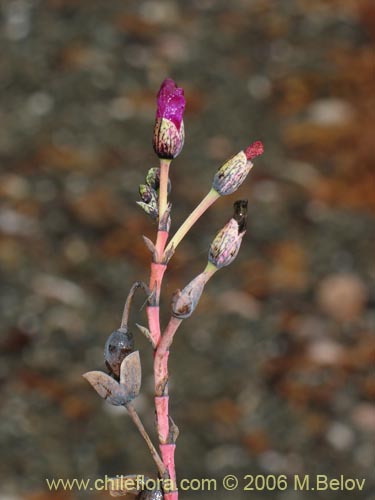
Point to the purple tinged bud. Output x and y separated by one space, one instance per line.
147 193
171 102
149 201
168 141
231 175
227 242
153 179
185 301
151 209
169 132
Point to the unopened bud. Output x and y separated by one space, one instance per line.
150 209
153 179
119 345
169 126
185 301
231 175
149 201
147 193
227 242
168 139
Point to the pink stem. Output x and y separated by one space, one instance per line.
167 454
153 311
167 448
161 241
162 418
171 495
162 343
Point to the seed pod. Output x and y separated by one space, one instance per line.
185 301
150 495
119 345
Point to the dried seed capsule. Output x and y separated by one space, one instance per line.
150 495
119 345
185 301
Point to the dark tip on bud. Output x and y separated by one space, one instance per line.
254 150
227 242
240 214
119 345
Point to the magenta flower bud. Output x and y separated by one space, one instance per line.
169 132
185 301
231 175
227 242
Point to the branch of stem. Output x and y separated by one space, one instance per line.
199 210
155 455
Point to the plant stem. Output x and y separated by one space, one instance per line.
158 269
165 343
163 186
207 201
125 314
155 455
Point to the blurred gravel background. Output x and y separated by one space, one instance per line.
273 374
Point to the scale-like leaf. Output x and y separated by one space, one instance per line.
107 388
146 332
131 375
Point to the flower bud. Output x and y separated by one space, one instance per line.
185 301
153 179
150 209
149 201
147 193
227 242
119 345
169 126
231 175
168 140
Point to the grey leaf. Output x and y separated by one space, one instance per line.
131 375
149 244
107 388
